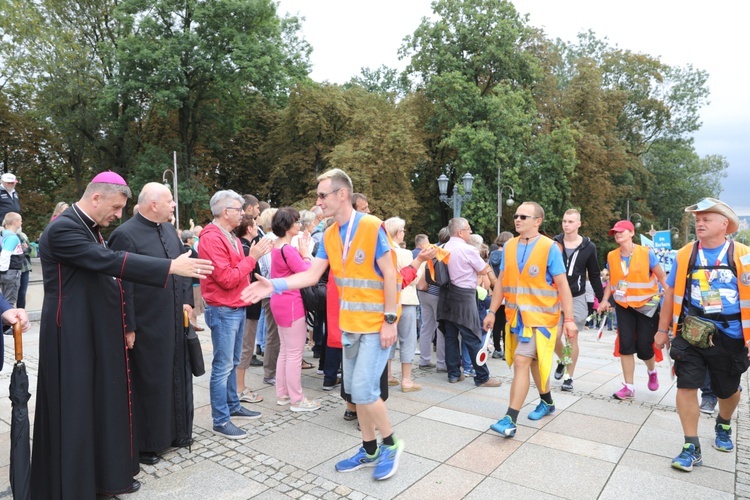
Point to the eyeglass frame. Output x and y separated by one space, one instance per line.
323 196
524 217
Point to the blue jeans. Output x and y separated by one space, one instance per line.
466 361
260 333
453 352
227 326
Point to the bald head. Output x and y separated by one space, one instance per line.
155 202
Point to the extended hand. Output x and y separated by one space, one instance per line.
427 253
191 268
257 290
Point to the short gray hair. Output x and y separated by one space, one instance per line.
186 235
106 189
222 200
307 217
456 224
394 225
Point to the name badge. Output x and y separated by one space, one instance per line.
621 291
711 301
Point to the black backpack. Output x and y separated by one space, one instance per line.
441 276
313 297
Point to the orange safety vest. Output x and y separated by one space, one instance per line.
360 287
527 291
742 262
642 284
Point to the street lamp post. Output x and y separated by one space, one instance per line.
640 219
510 202
174 190
457 200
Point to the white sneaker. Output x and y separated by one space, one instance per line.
305 405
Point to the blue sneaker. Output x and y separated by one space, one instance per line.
245 414
388 461
229 431
688 458
723 438
361 459
505 426
542 410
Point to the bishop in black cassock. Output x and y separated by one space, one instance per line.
83 425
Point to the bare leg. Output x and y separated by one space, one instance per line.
240 373
373 416
687 408
628 367
727 406
519 388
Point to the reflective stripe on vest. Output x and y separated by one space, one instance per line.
743 272
642 284
360 287
527 291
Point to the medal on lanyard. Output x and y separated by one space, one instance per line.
710 298
622 286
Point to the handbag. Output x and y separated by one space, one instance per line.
698 332
193 343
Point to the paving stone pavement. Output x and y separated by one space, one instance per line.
591 447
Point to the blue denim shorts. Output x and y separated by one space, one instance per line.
364 360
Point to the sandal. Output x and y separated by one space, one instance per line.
306 365
411 388
393 382
248 396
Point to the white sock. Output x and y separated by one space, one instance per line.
630 387
650 372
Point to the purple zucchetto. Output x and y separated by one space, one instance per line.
109 177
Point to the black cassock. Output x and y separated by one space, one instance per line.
83 426
158 362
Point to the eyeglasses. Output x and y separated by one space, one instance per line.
234 208
323 196
524 217
299 222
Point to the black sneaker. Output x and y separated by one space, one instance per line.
559 371
567 385
350 415
327 386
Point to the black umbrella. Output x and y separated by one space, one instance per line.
20 449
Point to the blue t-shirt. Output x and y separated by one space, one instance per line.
725 282
11 241
381 248
555 264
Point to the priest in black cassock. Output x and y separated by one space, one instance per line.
162 391
83 426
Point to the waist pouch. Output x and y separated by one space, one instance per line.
698 332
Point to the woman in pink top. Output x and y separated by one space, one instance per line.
288 310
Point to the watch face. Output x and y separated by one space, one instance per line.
390 318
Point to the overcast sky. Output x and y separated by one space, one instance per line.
347 35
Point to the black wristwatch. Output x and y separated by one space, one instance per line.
390 318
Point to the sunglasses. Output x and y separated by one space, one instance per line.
524 217
323 196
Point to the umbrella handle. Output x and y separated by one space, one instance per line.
185 318
18 340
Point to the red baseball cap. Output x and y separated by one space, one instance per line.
621 226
